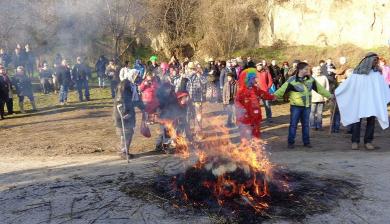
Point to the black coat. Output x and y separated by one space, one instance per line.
63 74
23 85
101 65
80 72
4 89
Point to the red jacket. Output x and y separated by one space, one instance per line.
265 80
248 105
149 95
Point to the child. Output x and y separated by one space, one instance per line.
229 94
125 102
298 88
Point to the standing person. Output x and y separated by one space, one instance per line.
248 110
284 72
148 89
45 76
292 70
23 88
100 67
196 87
18 58
298 88
181 82
64 81
364 95
167 102
154 67
112 73
329 69
174 63
317 100
80 75
228 97
29 61
4 58
4 91
265 84
385 70
275 71
128 73
140 68
224 71
125 102
212 92
56 64
236 67
8 101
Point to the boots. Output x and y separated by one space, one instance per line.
33 105
21 106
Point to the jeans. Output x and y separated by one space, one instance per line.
301 114
64 93
316 115
80 84
231 112
267 106
21 98
368 136
114 87
336 121
101 79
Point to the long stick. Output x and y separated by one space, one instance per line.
124 133
332 117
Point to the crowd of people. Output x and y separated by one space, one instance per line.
177 91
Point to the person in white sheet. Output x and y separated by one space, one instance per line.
364 95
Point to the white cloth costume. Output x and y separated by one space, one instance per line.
362 96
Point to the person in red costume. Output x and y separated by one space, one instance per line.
148 88
247 103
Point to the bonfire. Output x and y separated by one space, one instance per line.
224 173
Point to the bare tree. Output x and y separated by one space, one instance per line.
176 20
124 18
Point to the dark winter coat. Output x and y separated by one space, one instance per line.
79 72
4 88
63 74
127 108
101 65
23 84
45 74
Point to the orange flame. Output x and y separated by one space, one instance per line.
249 156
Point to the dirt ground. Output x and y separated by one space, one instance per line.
59 165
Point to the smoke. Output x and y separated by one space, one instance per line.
68 27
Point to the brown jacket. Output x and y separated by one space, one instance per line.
227 92
340 73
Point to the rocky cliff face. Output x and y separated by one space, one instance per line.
325 22
364 23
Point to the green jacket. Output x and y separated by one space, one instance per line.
299 90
